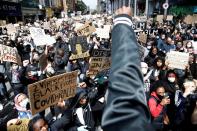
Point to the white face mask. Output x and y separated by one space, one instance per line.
171 79
25 63
15 67
144 71
36 57
24 103
189 45
149 47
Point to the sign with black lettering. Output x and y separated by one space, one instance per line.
98 64
9 54
48 92
86 29
101 53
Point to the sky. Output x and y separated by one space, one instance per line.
91 3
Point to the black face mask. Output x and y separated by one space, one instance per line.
160 97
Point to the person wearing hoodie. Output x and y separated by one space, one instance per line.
150 58
171 85
77 115
157 105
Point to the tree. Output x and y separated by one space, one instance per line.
180 11
81 6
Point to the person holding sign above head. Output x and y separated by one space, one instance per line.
126 108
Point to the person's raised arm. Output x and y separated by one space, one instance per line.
126 108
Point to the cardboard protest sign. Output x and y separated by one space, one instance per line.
48 92
100 60
177 60
188 19
98 64
169 17
143 38
101 53
159 18
79 47
194 18
2 22
102 33
9 54
86 29
10 29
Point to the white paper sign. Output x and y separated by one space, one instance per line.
178 60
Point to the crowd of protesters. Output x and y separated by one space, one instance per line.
171 94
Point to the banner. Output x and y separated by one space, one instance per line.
86 30
177 59
9 54
48 92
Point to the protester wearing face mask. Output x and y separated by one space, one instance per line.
157 104
171 85
22 105
144 68
15 77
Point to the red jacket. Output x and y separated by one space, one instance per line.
155 108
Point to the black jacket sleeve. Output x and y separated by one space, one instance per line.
126 108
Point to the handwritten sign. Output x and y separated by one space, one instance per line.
8 54
40 38
101 53
160 18
169 17
100 60
48 92
177 60
188 19
98 64
86 29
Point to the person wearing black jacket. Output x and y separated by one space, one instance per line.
126 107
